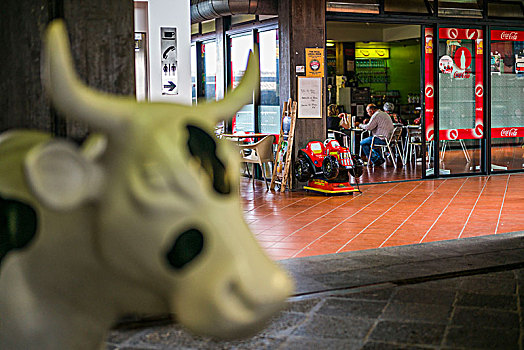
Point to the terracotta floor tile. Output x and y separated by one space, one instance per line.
304 224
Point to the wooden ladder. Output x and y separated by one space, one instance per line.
282 156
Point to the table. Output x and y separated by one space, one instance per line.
353 139
239 136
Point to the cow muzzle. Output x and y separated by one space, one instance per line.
233 307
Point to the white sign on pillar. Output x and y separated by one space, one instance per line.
169 64
168 17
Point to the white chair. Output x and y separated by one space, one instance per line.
413 142
392 141
462 144
364 134
261 153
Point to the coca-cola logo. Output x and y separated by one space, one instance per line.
472 34
429 135
508 35
479 130
453 33
453 134
509 132
479 90
429 91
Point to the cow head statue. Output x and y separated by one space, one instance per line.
161 196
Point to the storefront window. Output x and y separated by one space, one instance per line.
210 59
269 109
461 91
193 74
353 6
507 99
462 8
413 6
240 45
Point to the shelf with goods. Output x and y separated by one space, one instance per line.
372 71
410 111
379 97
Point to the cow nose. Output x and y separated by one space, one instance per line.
188 245
266 296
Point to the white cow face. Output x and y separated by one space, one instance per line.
168 216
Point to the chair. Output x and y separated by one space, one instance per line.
392 141
413 141
261 153
335 134
462 144
363 135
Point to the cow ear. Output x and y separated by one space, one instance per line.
61 177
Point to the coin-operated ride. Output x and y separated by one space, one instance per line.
326 167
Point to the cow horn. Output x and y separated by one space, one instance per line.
69 95
238 97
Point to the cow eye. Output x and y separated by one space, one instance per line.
18 223
203 147
186 248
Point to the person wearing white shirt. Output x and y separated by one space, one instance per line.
381 126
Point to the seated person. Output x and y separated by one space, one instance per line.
395 118
335 122
379 125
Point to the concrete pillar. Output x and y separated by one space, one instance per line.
101 35
302 24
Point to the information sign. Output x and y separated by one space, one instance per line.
309 97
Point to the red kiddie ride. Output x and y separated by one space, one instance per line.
327 166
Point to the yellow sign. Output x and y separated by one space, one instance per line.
371 53
315 63
480 46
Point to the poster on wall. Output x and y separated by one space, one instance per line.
315 62
169 64
309 97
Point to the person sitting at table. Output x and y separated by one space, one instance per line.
395 118
381 126
333 120
338 122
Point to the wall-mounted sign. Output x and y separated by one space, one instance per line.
462 58
460 33
507 35
445 64
429 44
169 51
371 53
315 62
309 97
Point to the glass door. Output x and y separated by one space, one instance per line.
460 100
429 101
507 99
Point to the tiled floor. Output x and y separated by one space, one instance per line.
298 224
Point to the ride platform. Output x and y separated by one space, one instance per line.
326 187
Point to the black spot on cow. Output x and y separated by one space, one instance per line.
203 147
17 225
187 247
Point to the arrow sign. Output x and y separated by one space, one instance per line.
171 86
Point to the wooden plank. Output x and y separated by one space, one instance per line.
279 148
285 176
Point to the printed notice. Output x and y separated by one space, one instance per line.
309 97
